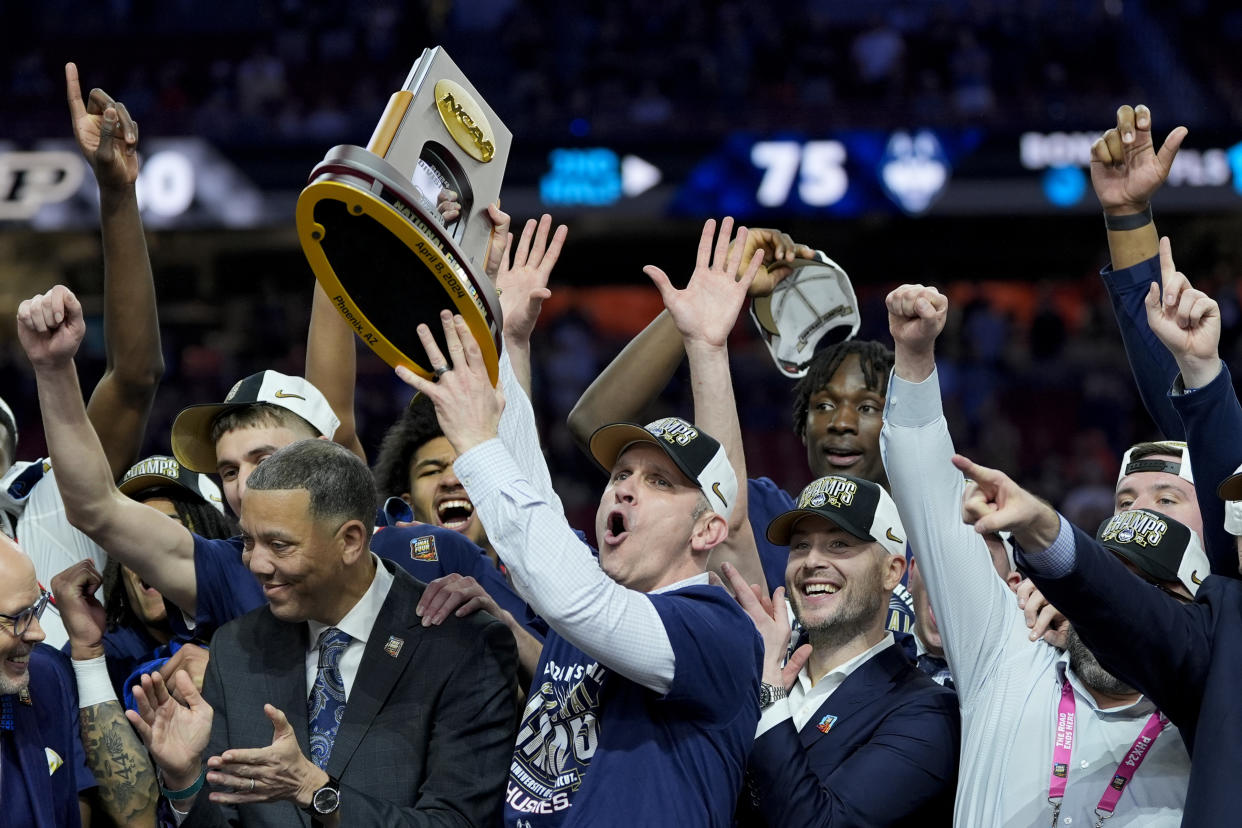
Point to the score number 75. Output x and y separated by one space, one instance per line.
817 166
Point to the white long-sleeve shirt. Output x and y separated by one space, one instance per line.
508 482
1008 686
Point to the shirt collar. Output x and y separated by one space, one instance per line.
1142 707
701 578
358 622
844 671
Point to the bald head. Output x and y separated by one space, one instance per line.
18 590
16 569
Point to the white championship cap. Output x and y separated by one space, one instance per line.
813 300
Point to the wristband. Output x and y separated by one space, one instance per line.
184 793
1131 221
94 684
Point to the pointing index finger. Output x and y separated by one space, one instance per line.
1167 268
73 91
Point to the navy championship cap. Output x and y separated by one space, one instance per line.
858 506
191 431
699 456
1230 490
1158 545
159 470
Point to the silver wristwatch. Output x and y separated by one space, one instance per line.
769 694
326 800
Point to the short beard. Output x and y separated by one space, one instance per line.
853 619
10 686
1088 668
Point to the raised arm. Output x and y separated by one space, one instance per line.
550 567
644 367
121 402
1187 322
160 550
1126 171
975 611
704 314
1144 637
522 282
332 366
114 753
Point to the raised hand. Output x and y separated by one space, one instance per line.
279 771
779 249
84 617
1033 522
175 734
772 621
1126 169
916 316
522 278
706 310
466 404
106 133
190 659
1186 320
50 327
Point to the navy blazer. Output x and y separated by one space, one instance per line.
427 734
44 719
889 758
1187 658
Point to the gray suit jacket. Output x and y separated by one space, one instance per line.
427 735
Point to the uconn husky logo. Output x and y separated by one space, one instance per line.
674 430
837 491
1142 528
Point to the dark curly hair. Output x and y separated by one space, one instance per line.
416 425
875 359
199 517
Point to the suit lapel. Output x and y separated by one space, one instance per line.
866 685
393 640
285 645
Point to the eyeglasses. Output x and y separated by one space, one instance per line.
21 622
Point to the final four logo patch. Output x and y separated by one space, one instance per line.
826 723
424 549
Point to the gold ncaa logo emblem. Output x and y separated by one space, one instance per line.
464 120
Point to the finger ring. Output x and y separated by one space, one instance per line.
442 370
252 785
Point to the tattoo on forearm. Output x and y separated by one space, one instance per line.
126 777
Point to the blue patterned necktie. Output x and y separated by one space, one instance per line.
326 705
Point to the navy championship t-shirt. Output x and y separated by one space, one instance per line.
228 590
595 748
766 500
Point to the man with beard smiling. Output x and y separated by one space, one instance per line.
860 721
1045 733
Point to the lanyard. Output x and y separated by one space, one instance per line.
1064 746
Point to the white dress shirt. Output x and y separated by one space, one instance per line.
805 697
1008 686
357 623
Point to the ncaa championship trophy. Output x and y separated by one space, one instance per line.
370 229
